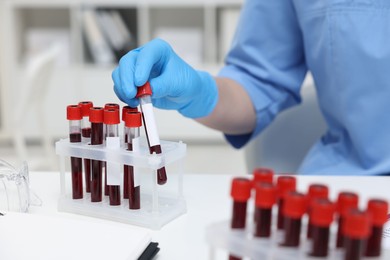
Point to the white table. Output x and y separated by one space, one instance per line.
208 201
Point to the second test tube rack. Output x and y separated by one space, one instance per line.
158 208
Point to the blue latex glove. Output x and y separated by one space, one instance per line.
175 84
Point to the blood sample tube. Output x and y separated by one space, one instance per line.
73 114
133 123
111 120
261 175
284 185
316 191
96 116
321 217
126 109
107 106
265 199
240 192
378 212
144 94
86 135
357 230
294 208
345 202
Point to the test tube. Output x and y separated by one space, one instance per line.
73 114
240 192
86 135
356 230
378 211
111 121
107 106
316 191
321 217
261 175
345 202
284 185
144 94
96 116
294 208
132 132
126 109
265 199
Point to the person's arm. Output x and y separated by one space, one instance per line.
234 113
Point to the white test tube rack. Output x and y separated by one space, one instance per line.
242 243
156 209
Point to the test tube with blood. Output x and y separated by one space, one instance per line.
321 217
132 132
73 114
86 135
356 230
107 106
345 202
144 94
265 199
284 185
240 192
126 109
294 208
262 175
111 121
378 212
316 191
96 115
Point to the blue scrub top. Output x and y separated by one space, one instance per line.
346 46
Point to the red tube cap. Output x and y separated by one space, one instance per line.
128 109
145 90
294 205
322 212
111 116
96 115
265 195
133 119
357 224
263 175
241 189
346 201
378 210
85 106
73 112
111 106
285 184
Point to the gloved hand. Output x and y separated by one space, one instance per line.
175 84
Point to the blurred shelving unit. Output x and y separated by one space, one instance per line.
205 26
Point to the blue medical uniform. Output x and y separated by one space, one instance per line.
345 44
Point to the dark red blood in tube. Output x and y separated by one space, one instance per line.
86 132
74 115
345 202
132 120
284 185
115 195
240 192
316 191
161 173
96 119
321 217
294 208
77 170
264 201
261 175
133 192
356 230
378 211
